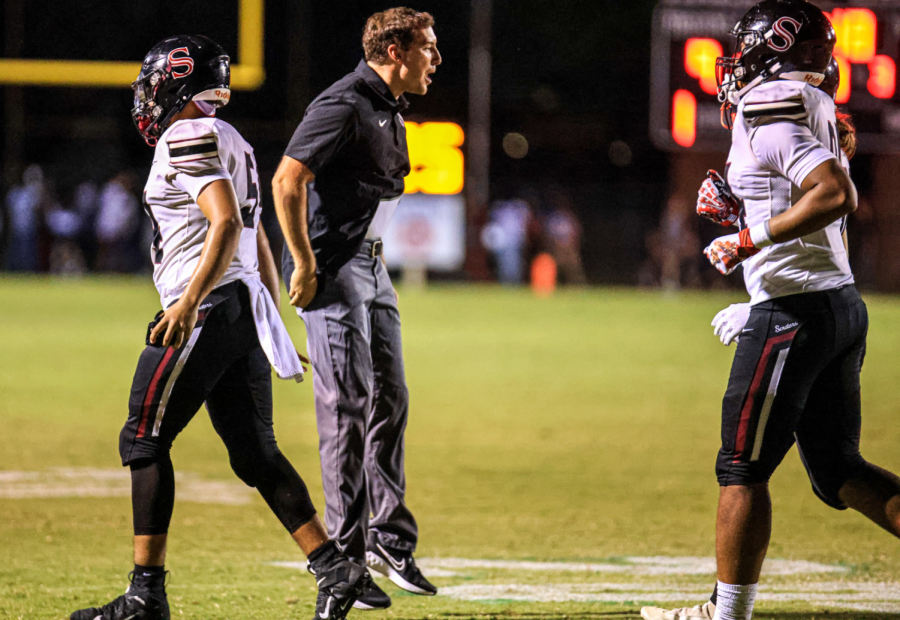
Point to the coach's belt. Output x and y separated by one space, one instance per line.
372 248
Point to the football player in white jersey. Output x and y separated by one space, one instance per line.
218 332
795 376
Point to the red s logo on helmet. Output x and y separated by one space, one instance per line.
185 62
779 29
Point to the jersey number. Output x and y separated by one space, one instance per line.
156 246
252 193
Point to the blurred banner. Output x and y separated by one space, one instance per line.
427 231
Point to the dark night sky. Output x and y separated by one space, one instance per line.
570 75
558 66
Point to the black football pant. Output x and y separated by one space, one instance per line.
223 365
795 378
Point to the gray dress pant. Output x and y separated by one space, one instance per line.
353 340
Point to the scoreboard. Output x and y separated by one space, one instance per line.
688 36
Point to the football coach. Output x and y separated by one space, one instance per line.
337 186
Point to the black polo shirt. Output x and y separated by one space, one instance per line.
353 139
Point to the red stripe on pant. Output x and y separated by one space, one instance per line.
747 412
151 391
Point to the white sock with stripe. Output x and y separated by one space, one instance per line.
734 602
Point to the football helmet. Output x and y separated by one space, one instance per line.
776 39
176 71
832 80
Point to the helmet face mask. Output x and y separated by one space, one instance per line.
176 71
146 111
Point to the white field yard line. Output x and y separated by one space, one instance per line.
651 566
437 572
839 595
654 565
62 482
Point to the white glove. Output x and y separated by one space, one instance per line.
730 322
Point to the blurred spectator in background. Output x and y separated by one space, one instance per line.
64 224
505 236
116 227
562 237
674 249
86 201
24 204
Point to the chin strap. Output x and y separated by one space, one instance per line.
206 107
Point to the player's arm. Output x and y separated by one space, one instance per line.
219 204
268 272
829 196
291 203
328 127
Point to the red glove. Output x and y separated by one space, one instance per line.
726 253
716 202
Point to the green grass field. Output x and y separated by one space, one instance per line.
556 447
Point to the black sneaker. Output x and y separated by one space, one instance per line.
399 567
340 582
135 604
372 597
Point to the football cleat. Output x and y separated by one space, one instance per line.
373 597
135 604
399 567
339 586
706 611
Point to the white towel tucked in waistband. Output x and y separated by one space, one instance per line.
273 336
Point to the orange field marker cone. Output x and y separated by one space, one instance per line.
543 275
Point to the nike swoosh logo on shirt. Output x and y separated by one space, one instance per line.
398 566
381 123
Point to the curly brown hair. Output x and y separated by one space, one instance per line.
846 134
395 26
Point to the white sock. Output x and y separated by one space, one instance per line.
734 602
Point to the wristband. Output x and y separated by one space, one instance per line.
760 235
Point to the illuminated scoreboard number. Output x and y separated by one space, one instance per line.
437 165
688 36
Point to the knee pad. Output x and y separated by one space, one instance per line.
730 473
828 474
255 468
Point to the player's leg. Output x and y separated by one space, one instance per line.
393 532
168 388
338 347
240 407
780 354
829 432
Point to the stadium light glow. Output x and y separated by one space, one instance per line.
700 62
437 164
845 85
684 118
882 77
857 34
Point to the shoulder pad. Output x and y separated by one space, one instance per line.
775 102
191 141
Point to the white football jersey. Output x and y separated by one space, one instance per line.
190 155
783 131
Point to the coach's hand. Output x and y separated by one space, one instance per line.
716 202
730 322
176 324
303 287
